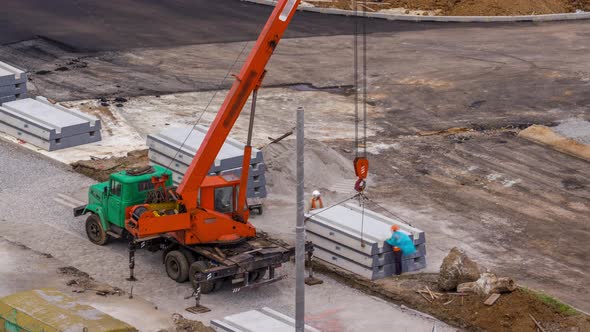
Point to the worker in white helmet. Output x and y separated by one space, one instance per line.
316 201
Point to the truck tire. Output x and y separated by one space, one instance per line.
177 266
257 275
94 231
190 257
207 286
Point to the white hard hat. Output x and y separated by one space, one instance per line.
316 193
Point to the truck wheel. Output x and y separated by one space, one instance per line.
190 257
177 266
257 275
207 286
94 231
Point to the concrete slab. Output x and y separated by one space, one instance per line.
48 126
52 144
255 170
254 191
7 99
343 224
170 150
359 257
182 166
263 320
46 120
182 143
343 237
11 75
373 273
19 90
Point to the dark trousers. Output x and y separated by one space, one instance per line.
397 261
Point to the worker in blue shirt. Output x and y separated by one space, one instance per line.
402 245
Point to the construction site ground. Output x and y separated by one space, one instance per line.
46 225
519 208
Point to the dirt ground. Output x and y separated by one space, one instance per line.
468 7
509 313
507 200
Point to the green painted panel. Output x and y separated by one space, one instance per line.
48 310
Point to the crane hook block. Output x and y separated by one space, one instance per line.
361 167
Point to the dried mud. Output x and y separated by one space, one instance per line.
101 169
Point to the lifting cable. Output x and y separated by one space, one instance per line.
388 211
208 104
332 206
360 144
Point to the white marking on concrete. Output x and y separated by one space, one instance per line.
64 202
61 230
71 199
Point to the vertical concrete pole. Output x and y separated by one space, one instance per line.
300 230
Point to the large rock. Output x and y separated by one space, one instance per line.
488 283
456 269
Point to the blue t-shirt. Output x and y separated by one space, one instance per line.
402 241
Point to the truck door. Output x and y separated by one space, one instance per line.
114 206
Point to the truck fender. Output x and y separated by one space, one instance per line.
96 209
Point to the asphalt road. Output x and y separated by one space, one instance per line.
86 25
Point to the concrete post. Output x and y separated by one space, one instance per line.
300 230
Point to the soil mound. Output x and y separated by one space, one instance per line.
324 166
186 325
474 7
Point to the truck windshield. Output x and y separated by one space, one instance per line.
224 199
116 188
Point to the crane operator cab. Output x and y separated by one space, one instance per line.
219 193
217 215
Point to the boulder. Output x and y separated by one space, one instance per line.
456 269
488 283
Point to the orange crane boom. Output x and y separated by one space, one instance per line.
208 209
248 80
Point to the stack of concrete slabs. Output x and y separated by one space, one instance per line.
175 148
13 83
263 320
343 237
48 126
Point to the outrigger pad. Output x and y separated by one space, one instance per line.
198 309
312 281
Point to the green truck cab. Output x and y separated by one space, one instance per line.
108 200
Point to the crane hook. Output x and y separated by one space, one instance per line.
361 169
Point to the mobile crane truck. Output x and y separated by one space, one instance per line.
201 226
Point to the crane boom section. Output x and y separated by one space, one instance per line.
249 78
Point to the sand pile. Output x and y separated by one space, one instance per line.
324 167
547 136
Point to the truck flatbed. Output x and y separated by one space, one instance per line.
244 264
